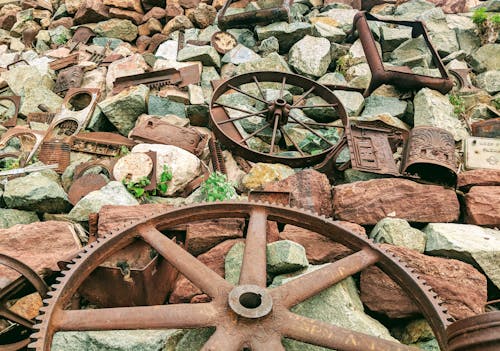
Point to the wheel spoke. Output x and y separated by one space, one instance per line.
254 133
318 124
286 135
247 94
223 341
314 106
282 91
273 343
302 97
242 117
259 87
328 335
15 318
275 130
253 269
144 317
199 274
313 283
311 130
234 108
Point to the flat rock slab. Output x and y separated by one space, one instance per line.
478 177
202 236
470 243
369 202
39 245
482 205
462 288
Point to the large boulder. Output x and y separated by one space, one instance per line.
398 232
310 56
482 205
370 201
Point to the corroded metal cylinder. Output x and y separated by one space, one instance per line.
55 151
430 154
477 333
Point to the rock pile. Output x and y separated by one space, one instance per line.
448 235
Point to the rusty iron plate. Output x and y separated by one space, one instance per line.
223 42
489 128
155 131
100 143
68 78
400 77
82 35
246 314
30 141
55 152
64 62
41 117
482 153
477 333
5 101
430 154
250 19
85 184
156 79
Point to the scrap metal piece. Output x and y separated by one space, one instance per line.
30 141
218 162
100 143
156 79
16 336
68 78
430 154
64 62
76 111
55 152
476 333
462 81
223 42
263 314
482 153
489 128
156 131
12 118
135 166
276 116
41 117
81 35
84 185
249 19
28 169
17 62
401 77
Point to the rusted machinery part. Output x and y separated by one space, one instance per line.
249 19
24 133
13 288
16 101
276 114
245 315
477 333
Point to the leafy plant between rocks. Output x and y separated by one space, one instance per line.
136 188
217 188
488 25
458 104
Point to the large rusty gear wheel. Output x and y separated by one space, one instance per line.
276 116
9 292
249 314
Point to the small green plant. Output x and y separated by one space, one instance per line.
479 16
458 104
123 151
10 163
165 178
217 188
136 188
343 63
488 25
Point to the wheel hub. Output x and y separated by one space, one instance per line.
250 301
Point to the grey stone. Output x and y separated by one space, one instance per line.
333 78
11 217
344 17
22 77
412 53
123 109
272 62
319 114
34 96
193 340
398 232
207 75
489 81
393 37
117 28
116 340
465 30
113 193
376 105
434 19
445 42
328 31
413 8
286 33
353 175
310 56
434 109
486 58
36 192
269 45
60 35
206 54
160 106
470 243
103 41
339 305
285 256
352 101
232 265
240 54
243 36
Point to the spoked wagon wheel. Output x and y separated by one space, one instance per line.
277 117
248 315
16 337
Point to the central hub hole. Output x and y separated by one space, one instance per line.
250 300
280 102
